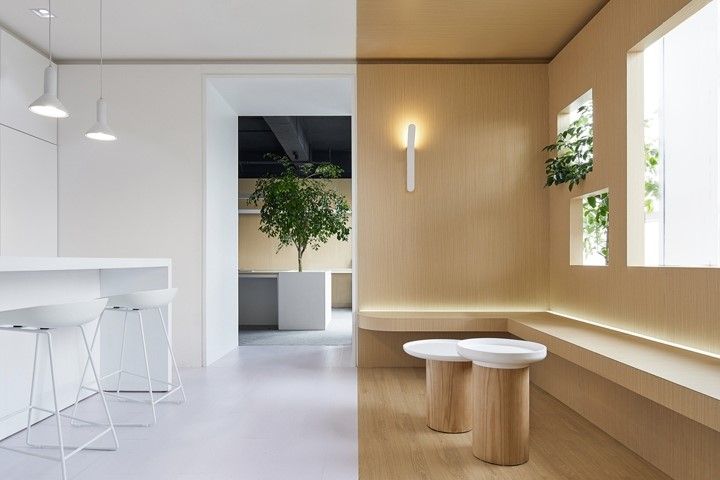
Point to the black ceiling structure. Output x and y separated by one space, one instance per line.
316 139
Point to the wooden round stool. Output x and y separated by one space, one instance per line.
501 383
447 384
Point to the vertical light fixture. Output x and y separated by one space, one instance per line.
411 158
101 130
48 104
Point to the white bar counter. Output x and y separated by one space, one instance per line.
30 281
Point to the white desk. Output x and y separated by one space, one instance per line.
28 281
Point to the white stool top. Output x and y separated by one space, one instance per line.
501 352
54 316
438 349
142 300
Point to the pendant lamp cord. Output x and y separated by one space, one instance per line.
101 48
50 29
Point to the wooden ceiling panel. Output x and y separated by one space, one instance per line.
469 29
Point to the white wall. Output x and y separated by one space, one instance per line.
142 196
28 155
221 226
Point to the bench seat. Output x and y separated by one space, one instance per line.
684 381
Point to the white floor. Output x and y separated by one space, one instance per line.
272 412
338 332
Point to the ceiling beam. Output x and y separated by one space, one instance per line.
289 133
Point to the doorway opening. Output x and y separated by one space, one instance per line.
304 143
254 123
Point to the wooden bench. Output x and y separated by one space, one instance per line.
684 381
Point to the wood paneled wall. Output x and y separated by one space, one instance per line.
675 304
474 231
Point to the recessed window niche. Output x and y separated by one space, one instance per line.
589 229
673 206
582 107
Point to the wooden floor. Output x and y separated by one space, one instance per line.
395 444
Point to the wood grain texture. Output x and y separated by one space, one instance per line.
468 29
683 381
434 321
473 234
448 396
395 443
501 415
682 448
676 304
341 290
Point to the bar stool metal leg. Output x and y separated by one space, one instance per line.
122 355
87 362
147 366
109 427
138 302
57 408
100 390
172 355
44 320
153 398
32 392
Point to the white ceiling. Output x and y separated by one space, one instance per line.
283 96
191 29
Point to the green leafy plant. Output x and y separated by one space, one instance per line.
573 150
300 208
596 224
652 183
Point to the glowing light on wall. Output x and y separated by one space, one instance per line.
411 157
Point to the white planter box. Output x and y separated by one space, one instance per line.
304 300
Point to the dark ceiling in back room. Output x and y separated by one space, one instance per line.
315 139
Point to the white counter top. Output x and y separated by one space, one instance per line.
39 264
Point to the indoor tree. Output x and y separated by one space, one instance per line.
299 206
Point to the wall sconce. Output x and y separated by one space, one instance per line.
411 158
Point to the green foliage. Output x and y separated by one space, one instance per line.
573 150
572 162
652 184
300 208
596 224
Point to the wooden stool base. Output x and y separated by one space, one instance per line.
501 415
448 396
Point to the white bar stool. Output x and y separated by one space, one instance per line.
42 321
138 302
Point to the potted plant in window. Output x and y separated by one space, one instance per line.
300 208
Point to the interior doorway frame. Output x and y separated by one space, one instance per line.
345 72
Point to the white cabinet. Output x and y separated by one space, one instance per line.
21 82
28 195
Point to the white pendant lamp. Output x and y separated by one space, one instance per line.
101 130
48 104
